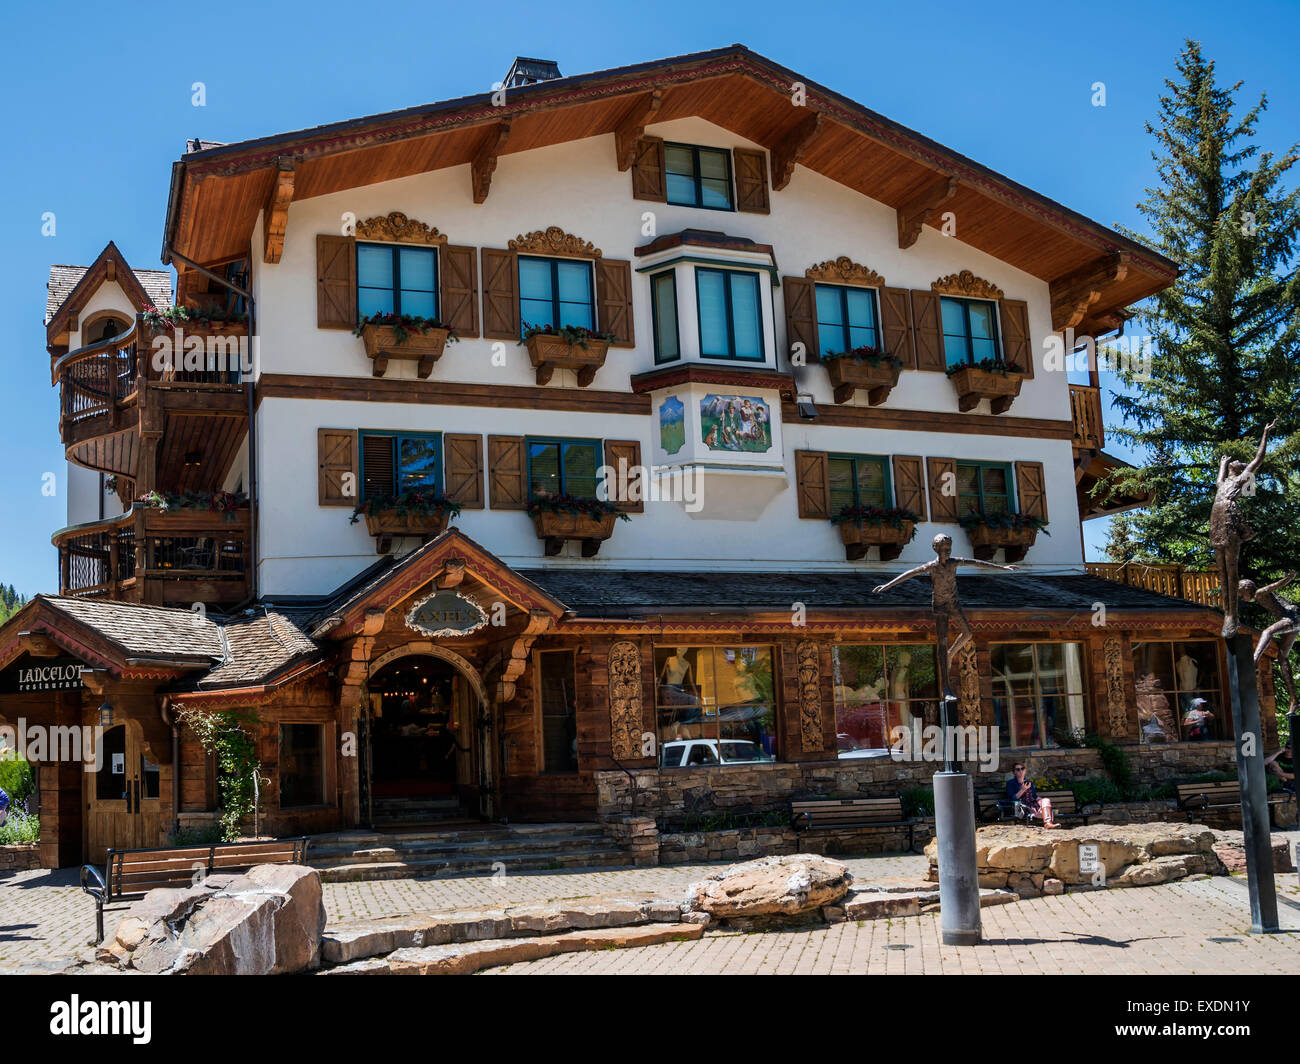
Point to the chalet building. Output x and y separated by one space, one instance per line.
817 339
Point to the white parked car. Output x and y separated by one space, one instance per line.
683 752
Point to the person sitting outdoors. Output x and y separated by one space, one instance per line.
1281 766
1022 790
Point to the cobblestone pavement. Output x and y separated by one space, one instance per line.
1149 929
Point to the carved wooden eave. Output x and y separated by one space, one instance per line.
1110 321
276 223
515 660
554 241
453 572
968 285
396 228
922 207
844 270
632 127
790 149
485 160
1074 295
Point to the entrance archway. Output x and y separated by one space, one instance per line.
422 721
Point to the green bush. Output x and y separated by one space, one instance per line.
204 836
918 801
1115 762
16 778
20 828
1096 789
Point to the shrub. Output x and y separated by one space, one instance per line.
16 779
20 828
1097 789
918 801
203 836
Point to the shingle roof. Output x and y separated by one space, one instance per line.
612 592
63 279
259 645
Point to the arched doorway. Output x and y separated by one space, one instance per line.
422 720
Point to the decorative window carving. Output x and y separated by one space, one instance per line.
396 227
844 270
554 241
966 284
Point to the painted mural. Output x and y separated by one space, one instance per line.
735 423
672 425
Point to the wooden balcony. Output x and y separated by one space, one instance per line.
1085 412
158 558
1191 584
122 398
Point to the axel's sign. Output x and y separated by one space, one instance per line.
446 613
61 674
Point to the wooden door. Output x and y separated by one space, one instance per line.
123 795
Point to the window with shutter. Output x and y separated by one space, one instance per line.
562 467
1017 351
463 469
800 316
909 484
397 279
858 480
336 282
648 178
459 280
337 467
984 487
1032 488
507 488
942 474
751 180
927 333
624 460
556 292
614 300
970 332
698 177
500 295
812 484
846 318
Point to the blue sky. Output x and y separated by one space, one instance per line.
97 105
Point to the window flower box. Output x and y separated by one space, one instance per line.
412 514
1012 533
559 518
989 380
868 526
864 368
569 348
418 340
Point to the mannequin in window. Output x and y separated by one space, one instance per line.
676 680
1188 673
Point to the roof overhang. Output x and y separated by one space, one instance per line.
109 266
1098 469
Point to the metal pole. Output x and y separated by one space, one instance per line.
954 832
1243 689
1292 721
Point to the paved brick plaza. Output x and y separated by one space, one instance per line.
1167 928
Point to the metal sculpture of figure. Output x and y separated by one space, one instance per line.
1228 528
947 606
1287 624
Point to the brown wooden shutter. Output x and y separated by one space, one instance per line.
1017 351
378 475
909 484
458 281
812 484
507 473
896 325
336 282
629 452
336 457
943 507
751 180
649 181
614 300
801 315
462 469
500 295
1031 489
927 331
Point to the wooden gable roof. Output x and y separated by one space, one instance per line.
71 287
218 192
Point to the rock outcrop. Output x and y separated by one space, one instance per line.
771 891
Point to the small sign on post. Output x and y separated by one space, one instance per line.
1089 857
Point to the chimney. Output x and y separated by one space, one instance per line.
530 71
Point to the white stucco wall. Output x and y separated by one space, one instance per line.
307 549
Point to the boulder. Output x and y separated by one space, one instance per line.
770 887
267 922
1231 852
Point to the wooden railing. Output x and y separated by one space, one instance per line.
148 555
1192 584
1085 412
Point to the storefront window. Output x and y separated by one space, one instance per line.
302 765
1179 696
714 705
1039 692
878 689
559 719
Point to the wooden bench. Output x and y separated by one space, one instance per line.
993 806
831 814
130 874
1198 797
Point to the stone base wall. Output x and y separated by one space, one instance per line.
20 857
673 795
736 845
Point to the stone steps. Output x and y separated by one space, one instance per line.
469 866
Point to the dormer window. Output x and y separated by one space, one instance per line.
846 318
393 279
731 318
556 292
698 177
970 331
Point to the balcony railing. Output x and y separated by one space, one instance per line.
1085 412
148 555
1191 584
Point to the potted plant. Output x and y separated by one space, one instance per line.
989 378
561 517
410 513
871 526
404 336
193 318
1013 533
226 503
569 347
863 367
